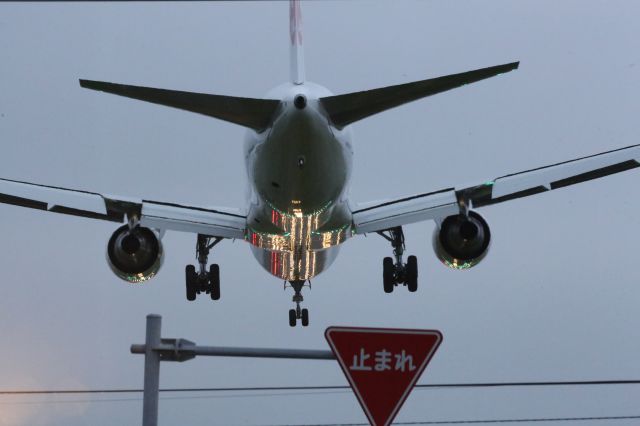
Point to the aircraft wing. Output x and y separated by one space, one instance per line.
153 214
440 204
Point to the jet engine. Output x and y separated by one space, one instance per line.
462 241
134 255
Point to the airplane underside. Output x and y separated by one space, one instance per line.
297 247
297 268
297 265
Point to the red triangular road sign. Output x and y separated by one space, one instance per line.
382 365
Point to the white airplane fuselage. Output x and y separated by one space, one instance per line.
298 172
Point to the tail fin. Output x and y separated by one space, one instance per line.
296 50
351 107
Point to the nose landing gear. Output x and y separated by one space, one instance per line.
395 273
298 313
203 281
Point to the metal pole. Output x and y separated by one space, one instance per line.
263 352
151 371
157 349
170 349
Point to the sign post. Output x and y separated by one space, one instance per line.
382 365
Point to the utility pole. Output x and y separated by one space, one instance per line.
157 349
151 371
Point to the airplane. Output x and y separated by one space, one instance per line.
298 156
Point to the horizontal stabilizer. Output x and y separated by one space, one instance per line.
351 107
253 113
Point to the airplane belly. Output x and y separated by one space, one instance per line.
295 265
294 247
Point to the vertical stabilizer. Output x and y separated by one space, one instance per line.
295 34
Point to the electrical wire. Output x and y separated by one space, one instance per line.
164 398
272 394
489 421
338 387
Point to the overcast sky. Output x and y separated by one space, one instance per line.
556 298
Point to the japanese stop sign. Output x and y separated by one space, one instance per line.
382 365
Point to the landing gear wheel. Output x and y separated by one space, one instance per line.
298 313
203 281
411 273
214 281
388 278
191 281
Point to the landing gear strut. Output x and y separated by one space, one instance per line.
297 313
203 281
394 273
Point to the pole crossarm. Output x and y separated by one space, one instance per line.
183 350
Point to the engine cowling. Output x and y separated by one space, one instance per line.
134 255
462 242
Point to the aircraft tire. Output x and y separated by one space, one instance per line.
214 281
412 273
190 278
388 279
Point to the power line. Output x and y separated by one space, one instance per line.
138 399
424 422
459 422
339 387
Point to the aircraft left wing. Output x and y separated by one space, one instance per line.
152 214
440 204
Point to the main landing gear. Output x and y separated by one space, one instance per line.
398 272
297 313
203 281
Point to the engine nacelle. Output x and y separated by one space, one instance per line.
462 241
135 255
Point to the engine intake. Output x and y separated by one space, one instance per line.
134 255
462 241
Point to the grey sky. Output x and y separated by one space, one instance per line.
555 299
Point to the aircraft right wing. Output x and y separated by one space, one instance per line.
440 204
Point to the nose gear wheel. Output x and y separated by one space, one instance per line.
298 313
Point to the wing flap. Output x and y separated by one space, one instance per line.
153 214
570 172
547 178
440 204
192 219
54 199
406 210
